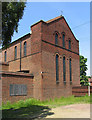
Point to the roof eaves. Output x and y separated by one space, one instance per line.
70 29
16 40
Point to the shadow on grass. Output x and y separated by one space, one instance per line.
33 111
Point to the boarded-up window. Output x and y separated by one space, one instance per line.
11 90
18 89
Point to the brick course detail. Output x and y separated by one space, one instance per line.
81 90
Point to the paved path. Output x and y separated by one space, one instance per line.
71 111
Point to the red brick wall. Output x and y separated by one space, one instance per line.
32 61
36 59
11 50
60 26
0 91
4 67
41 58
36 38
81 90
49 87
10 78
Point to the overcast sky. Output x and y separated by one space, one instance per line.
77 14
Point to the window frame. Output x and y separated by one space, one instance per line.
5 56
56 38
18 90
25 48
57 68
64 69
69 44
70 70
15 52
63 40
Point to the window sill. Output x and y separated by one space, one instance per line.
18 95
64 82
57 82
70 82
25 55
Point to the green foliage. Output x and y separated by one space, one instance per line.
32 107
83 69
89 76
51 102
12 12
83 66
84 80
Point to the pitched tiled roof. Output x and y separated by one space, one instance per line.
54 19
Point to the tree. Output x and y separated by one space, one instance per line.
83 69
12 12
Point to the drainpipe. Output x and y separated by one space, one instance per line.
20 55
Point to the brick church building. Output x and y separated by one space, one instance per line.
43 64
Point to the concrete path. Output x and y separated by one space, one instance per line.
71 111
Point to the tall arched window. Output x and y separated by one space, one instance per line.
70 70
63 38
64 70
15 52
69 44
56 39
5 56
25 48
57 68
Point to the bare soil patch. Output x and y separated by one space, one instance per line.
71 111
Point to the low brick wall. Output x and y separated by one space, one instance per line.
19 80
80 90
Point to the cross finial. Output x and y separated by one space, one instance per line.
61 12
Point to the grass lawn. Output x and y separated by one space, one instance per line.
32 107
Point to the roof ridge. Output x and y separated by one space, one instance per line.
54 19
